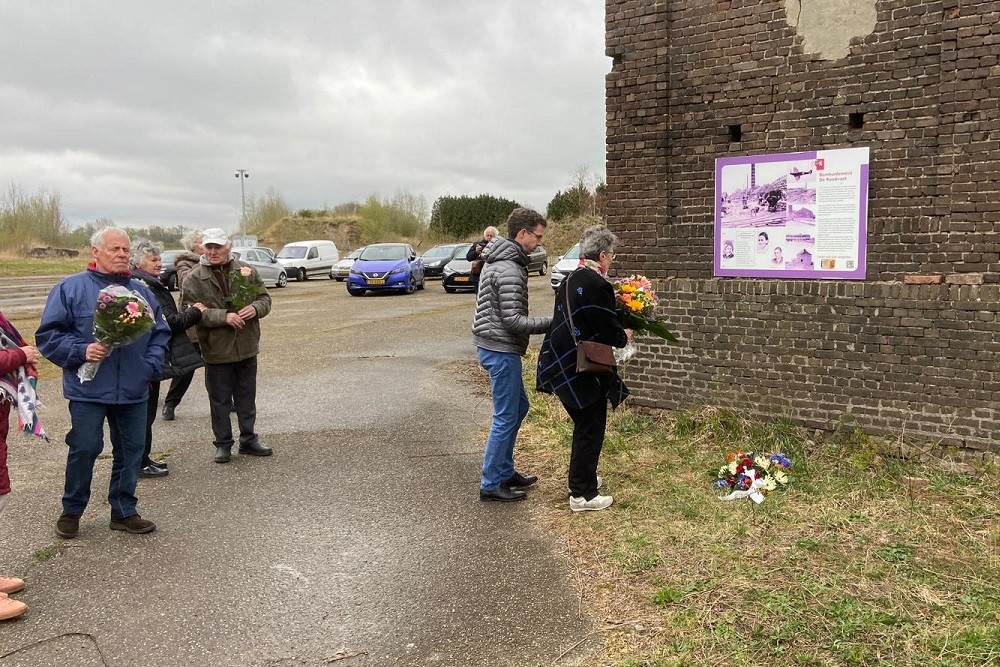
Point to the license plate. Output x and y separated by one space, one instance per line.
461 279
379 281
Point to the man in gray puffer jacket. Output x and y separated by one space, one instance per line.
501 331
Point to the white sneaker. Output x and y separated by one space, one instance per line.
579 504
599 483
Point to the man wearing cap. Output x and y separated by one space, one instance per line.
229 339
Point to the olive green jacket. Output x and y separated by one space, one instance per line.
221 343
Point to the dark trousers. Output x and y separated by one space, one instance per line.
233 383
154 398
86 441
589 423
179 385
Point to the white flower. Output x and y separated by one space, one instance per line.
732 467
781 476
761 462
770 484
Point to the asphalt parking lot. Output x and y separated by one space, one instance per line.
360 542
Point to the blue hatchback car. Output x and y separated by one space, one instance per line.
386 266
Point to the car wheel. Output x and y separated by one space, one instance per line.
545 267
302 275
340 280
355 292
282 280
450 290
411 285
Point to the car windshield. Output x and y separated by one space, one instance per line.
293 252
354 254
439 251
376 253
169 256
573 253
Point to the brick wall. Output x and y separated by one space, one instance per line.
892 356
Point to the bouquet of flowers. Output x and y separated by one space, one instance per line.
242 290
121 317
750 475
636 302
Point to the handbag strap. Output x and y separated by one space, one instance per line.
569 311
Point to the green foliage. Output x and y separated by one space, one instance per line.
170 237
264 211
458 217
574 202
27 220
383 220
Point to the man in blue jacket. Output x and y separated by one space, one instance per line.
117 393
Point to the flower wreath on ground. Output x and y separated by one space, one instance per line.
751 475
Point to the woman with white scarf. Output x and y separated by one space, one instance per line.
17 360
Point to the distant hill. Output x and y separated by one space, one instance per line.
350 231
343 230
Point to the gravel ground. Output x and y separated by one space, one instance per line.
360 542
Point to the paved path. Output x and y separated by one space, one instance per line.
363 535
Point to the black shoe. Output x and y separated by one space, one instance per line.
157 464
134 524
153 471
519 481
223 454
68 526
256 449
168 412
502 495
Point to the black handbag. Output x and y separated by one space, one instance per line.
591 357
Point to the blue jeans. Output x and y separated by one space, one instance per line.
510 407
86 440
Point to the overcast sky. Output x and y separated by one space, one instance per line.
141 112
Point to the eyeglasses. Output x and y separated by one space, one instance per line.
538 237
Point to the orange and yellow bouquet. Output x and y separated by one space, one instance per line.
636 302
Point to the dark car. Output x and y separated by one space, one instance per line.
168 274
386 266
437 257
538 260
458 272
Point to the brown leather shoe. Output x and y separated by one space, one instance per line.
10 584
134 524
68 526
11 608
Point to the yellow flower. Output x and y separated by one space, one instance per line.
627 288
635 305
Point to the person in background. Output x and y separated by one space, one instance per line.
118 393
182 358
475 254
230 342
590 298
184 263
17 358
501 331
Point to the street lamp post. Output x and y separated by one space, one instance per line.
243 175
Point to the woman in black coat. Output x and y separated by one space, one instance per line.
182 357
587 295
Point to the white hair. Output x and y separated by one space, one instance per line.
192 239
97 238
145 248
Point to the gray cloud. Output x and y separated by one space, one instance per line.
141 112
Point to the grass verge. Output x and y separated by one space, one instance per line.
17 266
863 560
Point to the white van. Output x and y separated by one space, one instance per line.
302 259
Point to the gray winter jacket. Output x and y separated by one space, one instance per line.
502 323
